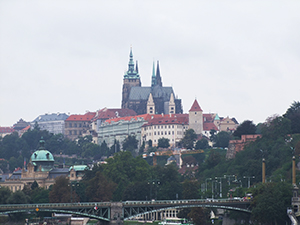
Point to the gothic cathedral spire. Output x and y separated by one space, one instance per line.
158 77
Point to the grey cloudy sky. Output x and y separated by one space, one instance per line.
238 58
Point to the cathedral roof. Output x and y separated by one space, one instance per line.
142 93
42 155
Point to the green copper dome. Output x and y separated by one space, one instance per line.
42 158
42 155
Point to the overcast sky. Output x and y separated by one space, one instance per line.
238 58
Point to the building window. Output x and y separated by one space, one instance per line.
75 132
70 132
70 124
157 132
154 133
169 132
80 125
75 124
173 132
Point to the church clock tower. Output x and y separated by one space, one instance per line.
131 79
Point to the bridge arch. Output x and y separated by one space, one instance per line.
189 206
57 211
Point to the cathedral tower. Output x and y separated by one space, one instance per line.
131 79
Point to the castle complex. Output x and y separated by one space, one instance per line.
155 99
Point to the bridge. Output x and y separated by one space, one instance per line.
116 212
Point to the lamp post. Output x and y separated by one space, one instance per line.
220 183
206 183
249 179
155 182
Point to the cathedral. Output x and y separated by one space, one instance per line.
156 99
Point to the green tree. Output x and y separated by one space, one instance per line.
130 144
137 191
40 195
5 193
190 189
18 197
189 138
200 216
100 188
293 114
247 127
222 139
163 143
202 144
270 203
61 191
124 169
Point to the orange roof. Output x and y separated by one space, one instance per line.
167 119
127 118
105 113
6 130
209 126
26 128
86 117
195 107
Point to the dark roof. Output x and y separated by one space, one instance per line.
142 93
51 117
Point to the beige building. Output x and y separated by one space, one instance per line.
168 126
40 169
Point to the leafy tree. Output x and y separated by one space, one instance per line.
293 114
104 149
276 127
189 138
5 193
247 127
40 195
202 144
61 191
270 203
34 185
100 188
18 197
124 169
137 191
222 139
200 216
190 189
163 143
130 144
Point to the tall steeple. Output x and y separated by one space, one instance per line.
131 63
158 78
153 80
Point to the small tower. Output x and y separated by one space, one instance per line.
172 104
196 118
153 78
217 121
131 79
150 105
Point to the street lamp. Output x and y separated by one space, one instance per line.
206 183
220 183
249 179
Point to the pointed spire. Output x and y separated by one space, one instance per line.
131 63
195 107
153 79
158 78
136 67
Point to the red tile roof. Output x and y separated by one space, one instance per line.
105 113
209 126
86 117
127 118
167 119
195 107
5 130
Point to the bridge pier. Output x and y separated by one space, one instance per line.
116 213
